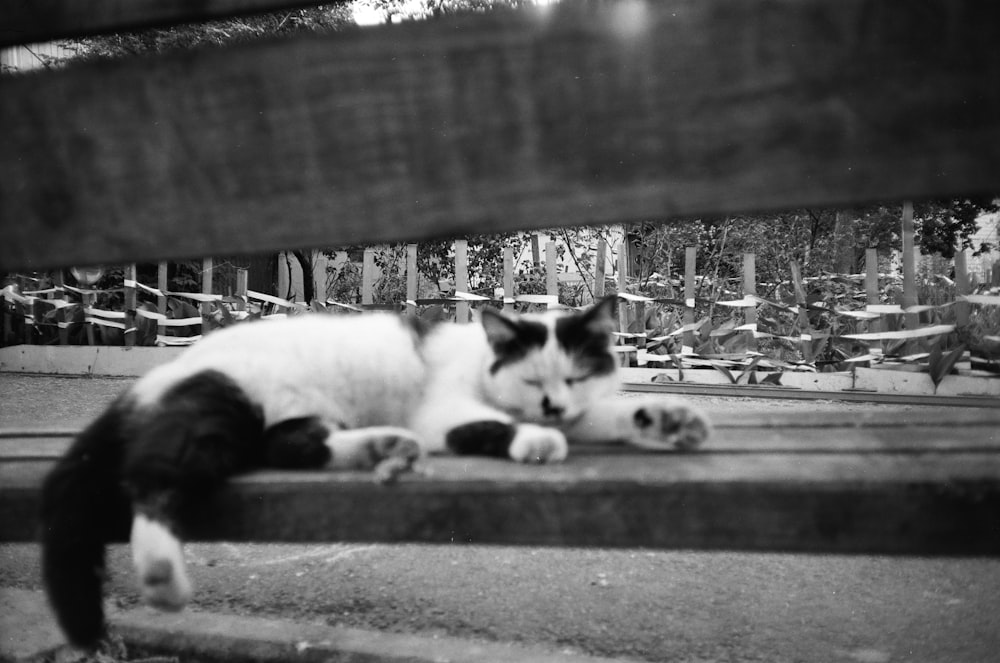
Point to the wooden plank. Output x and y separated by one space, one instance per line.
928 503
368 277
750 288
462 278
45 20
785 434
411 278
502 121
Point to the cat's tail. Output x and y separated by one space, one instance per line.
83 506
140 471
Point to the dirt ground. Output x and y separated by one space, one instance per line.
651 605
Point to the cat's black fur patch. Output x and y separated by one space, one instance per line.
162 458
481 438
297 444
419 327
512 340
584 336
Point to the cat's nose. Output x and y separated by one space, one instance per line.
552 410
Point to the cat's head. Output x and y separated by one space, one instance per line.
548 368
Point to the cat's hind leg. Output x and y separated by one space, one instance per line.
203 430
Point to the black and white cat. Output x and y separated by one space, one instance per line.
372 392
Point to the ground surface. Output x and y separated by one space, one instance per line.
658 606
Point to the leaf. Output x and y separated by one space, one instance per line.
749 370
725 371
773 378
941 365
679 364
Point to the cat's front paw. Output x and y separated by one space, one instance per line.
389 451
538 444
668 424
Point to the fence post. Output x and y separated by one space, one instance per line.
508 278
750 288
242 282
909 266
57 280
600 268
207 267
690 265
368 278
623 307
131 302
805 344
411 279
161 300
462 278
963 286
551 275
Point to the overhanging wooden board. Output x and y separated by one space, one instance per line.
588 112
867 486
44 20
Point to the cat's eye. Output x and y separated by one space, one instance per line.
533 383
576 380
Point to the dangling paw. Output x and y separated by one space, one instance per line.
387 450
667 424
159 564
538 444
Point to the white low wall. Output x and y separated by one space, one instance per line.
83 360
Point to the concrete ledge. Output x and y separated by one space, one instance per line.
209 637
28 634
86 360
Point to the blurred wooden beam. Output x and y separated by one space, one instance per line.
32 21
582 113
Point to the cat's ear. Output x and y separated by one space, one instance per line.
600 318
511 338
501 331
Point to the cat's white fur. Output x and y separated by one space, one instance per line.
370 374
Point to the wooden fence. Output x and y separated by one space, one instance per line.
729 327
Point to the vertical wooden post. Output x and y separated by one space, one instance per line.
207 266
368 278
871 284
909 266
508 278
161 300
623 306
690 265
871 288
750 288
242 283
599 268
963 286
462 278
131 302
87 301
411 279
536 259
57 281
800 300
551 270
